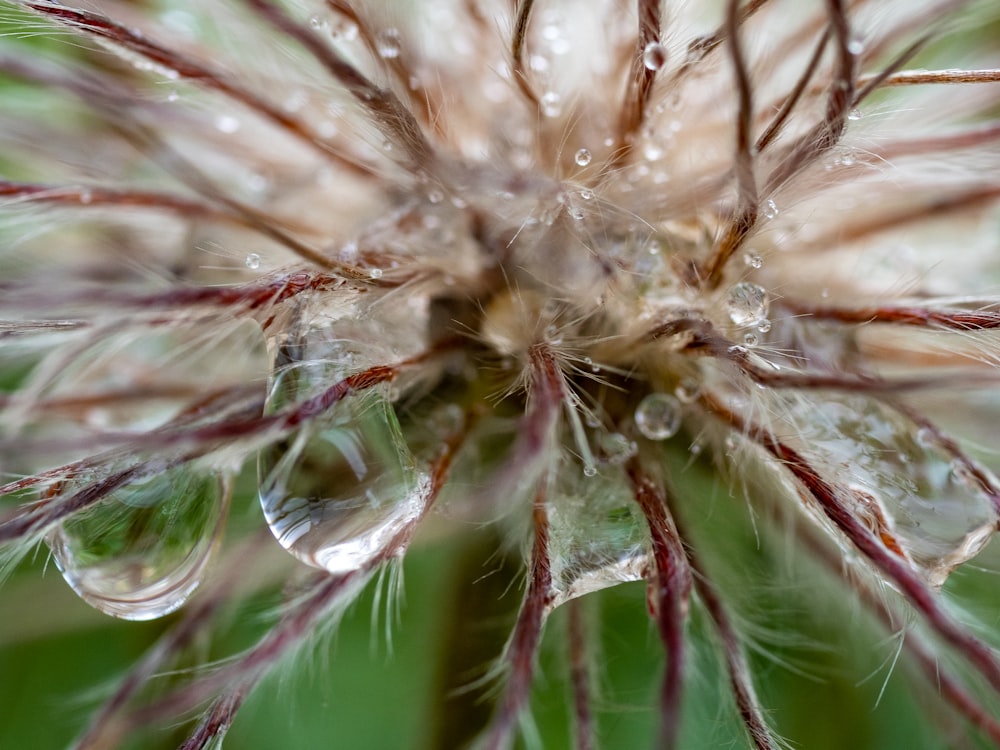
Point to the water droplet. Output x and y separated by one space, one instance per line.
658 416
770 209
319 24
855 46
652 151
764 325
388 43
747 303
375 273
854 114
597 536
140 552
590 471
750 339
583 157
616 448
753 260
687 390
253 261
587 194
344 30
551 104
654 56
917 494
227 124
342 486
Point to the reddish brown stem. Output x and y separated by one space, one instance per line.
670 589
579 677
523 645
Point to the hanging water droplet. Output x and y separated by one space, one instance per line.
747 303
583 157
658 416
750 339
140 552
587 194
551 104
753 260
654 56
764 325
930 504
770 209
597 536
342 486
590 470
253 261
854 114
388 43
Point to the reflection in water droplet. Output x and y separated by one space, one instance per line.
597 536
904 486
654 56
583 157
140 552
253 261
747 303
341 487
658 416
770 209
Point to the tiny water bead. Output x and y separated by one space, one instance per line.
747 303
753 260
658 416
551 104
140 552
688 390
769 209
388 43
253 261
654 56
583 157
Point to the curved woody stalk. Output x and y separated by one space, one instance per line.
355 249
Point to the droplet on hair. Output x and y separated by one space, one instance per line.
658 416
747 303
140 552
253 261
654 56
583 157
388 43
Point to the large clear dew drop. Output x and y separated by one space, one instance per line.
907 490
140 552
597 535
339 489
